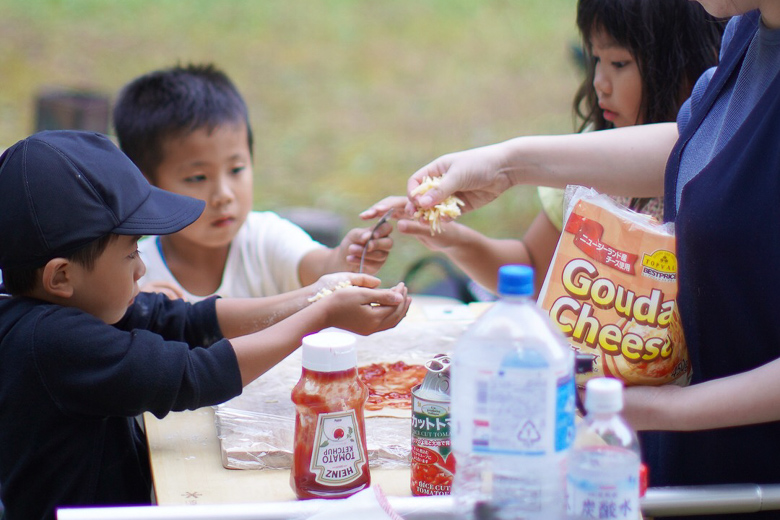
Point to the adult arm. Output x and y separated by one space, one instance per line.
623 161
747 398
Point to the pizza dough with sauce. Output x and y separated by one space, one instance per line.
256 429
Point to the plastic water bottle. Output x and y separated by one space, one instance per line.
512 408
604 464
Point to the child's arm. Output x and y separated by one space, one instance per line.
249 315
169 289
477 255
480 256
352 308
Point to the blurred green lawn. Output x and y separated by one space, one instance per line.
347 97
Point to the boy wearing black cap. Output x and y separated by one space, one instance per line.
82 352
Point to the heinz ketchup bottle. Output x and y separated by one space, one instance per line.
329 458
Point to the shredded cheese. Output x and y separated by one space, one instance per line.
326 291
450 207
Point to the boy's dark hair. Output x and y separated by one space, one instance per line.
672 41
171 103
22 280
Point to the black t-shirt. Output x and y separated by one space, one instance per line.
71 385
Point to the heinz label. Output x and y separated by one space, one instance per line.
338 452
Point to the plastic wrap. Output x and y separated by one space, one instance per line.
256 429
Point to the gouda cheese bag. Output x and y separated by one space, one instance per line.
612 288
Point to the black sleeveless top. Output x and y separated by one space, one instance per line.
728 240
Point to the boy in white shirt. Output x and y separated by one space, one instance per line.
187 129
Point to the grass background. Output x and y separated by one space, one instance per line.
347 98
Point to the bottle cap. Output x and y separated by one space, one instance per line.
329 351
604 395
516 280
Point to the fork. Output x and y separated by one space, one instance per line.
381 221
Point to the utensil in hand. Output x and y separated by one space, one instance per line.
382 220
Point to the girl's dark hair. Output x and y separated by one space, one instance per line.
22 280
170 103
672 41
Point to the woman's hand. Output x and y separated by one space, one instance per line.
475 176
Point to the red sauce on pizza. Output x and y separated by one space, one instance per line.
390 384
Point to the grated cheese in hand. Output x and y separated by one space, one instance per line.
450 207
325 291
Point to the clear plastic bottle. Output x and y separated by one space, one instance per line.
603 478
512 407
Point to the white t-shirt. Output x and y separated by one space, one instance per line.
262 261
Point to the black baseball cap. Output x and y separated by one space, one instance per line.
62 189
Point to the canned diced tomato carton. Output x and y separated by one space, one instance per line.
432 461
